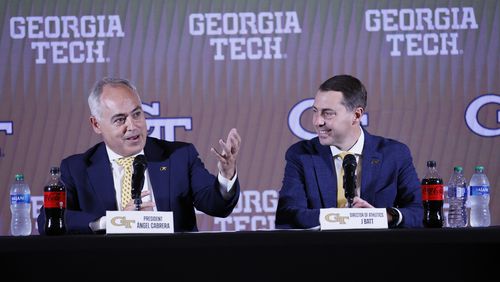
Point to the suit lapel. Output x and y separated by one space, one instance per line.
101 179
159 174
326 178
370 169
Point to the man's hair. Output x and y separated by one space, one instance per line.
353 90
94 99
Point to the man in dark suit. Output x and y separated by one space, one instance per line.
384 171
175 179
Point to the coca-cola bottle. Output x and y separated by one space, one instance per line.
432 197
54 203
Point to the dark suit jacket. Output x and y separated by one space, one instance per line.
388 179
178 177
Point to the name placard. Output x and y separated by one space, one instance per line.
353 218
133 222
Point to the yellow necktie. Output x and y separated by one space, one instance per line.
126 163
341 200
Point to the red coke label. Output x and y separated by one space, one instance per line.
432 192
54 200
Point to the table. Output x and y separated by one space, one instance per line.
297 255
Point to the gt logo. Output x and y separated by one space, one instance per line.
122 221
472 112
335 217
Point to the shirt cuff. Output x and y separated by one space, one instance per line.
98 225
226 185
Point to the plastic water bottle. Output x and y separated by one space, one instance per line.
479 198
20 207
457 198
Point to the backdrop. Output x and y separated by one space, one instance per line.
431 69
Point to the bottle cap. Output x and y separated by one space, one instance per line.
19 177
479 168
458 168
54 170
431 163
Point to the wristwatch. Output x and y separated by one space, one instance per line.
395 217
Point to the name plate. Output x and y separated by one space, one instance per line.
134 222
353 218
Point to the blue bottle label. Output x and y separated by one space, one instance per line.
482 190
20 199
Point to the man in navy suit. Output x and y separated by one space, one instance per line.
175 179
384 168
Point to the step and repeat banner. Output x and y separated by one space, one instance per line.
431 68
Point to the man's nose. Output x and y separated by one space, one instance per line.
318 120
129 122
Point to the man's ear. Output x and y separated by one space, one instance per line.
358 113
95 124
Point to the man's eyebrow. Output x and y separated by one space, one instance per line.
323 110
118 115
136 108
124 115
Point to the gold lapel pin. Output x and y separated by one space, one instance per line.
374 162
163 168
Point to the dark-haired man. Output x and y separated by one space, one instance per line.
385 169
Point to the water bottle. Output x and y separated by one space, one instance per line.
446 205
457 198
479 198
20 207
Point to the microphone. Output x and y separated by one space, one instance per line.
139 165
349 165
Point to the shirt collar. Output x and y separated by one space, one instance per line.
356 149
114 156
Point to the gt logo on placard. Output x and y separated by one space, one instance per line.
122 221
335 217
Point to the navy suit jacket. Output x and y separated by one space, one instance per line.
388 179
179 181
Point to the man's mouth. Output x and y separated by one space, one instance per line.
324 131
132 138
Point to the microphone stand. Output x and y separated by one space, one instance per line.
349 202
349 162
138 202
139 165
